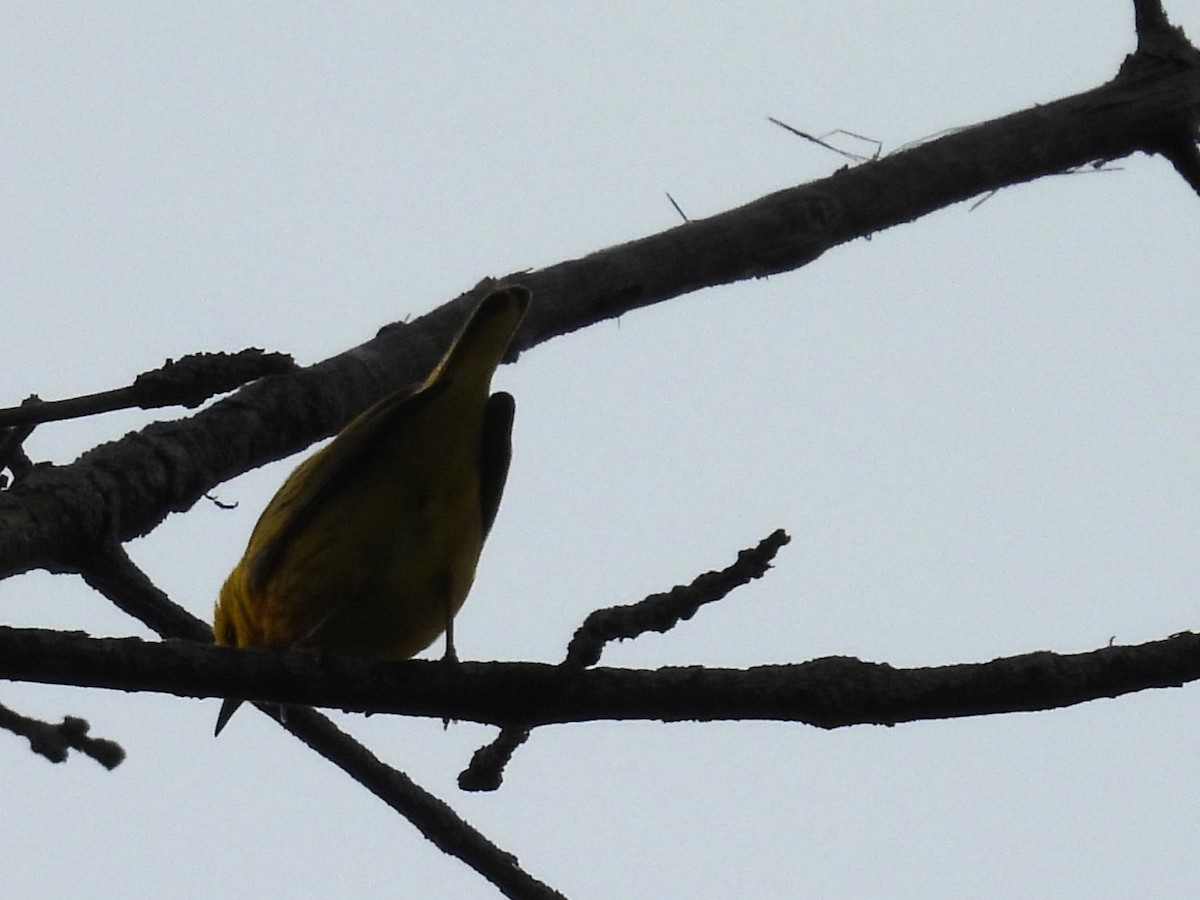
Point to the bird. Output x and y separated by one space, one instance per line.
370 546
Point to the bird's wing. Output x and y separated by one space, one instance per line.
321 476
495 453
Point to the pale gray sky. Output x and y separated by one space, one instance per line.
980 430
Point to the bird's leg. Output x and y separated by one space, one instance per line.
450 655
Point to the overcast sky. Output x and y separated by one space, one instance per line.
980 430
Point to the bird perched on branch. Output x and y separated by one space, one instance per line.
370 546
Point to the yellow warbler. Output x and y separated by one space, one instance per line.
370 546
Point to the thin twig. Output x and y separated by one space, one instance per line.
661 612
821 143
56 741
682 214
485 772
187 382
658 612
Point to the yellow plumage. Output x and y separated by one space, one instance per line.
370 546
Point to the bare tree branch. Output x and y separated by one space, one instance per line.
662 612
485 772
658 612
119 579
186 382
432 817
831 692
55 742
70 518
169 466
